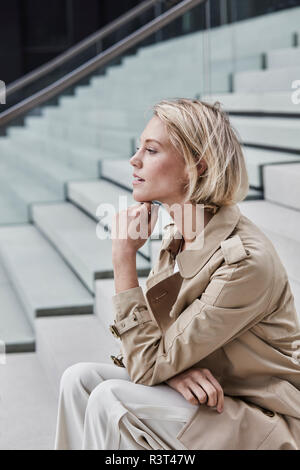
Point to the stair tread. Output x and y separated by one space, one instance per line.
90 194
44 282
54 168
16 331
94 192
269 72
273 217
25 186
26 397
9 213
291 170
64 341
276 101
75 233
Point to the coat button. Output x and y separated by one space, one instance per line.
118 361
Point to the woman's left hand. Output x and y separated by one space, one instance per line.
132 227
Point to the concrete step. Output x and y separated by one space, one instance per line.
268 131
265 80
114 140
43 281
99 118
15 330
9 212
118 171
146 82
188 57
286 57
257 159
84 244
74 103
282 226
254 194
90 194
105 197
51 173
259 34
22 190
28 405
277 102
155 86
81 157
285 177
143 70
113 99
64 341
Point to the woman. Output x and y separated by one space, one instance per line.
211 356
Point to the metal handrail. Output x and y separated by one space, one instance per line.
98 61
80 47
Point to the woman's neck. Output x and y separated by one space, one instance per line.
186 233
190 221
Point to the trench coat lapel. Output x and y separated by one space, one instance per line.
191 260
219 228
163 286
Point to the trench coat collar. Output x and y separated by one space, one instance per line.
219 227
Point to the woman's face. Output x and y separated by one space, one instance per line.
160 165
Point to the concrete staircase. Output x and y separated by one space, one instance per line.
56 276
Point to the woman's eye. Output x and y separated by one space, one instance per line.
149 150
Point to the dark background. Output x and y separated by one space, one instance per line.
35 31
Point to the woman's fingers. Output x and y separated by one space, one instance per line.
206 389
198 393
187 393
213 380
199 386
209 389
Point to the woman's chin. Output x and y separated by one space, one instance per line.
141 197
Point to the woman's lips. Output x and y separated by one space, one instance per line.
135 182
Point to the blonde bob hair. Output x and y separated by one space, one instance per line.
199 130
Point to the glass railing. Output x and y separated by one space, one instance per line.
252 66
100 115
101 41
240 35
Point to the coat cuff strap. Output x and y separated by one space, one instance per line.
135 319
130 310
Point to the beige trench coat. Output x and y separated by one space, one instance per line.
229 309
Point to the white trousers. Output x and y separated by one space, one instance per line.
101 408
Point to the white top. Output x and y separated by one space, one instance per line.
176 268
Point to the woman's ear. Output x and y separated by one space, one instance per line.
201 167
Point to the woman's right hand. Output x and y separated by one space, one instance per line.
198 386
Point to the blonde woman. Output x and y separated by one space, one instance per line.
211 349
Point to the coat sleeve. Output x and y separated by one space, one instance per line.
236 298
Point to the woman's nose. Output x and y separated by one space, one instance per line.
135 161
